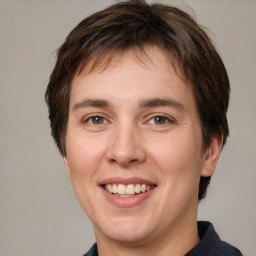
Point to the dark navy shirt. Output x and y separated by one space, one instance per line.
210 244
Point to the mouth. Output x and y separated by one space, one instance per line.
128 190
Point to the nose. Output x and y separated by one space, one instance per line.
126 147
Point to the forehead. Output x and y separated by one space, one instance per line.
131 70
146 56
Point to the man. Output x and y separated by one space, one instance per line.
137 103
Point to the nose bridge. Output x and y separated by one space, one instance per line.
126 146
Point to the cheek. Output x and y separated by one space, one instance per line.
178 157
82 160
83 154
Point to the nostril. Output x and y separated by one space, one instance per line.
123 161
112 160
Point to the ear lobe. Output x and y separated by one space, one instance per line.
212 155
67 166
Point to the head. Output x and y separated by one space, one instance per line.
133 26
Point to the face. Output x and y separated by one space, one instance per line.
134 149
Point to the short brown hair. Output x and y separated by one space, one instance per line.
134 25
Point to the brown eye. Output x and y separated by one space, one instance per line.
160 120
97 120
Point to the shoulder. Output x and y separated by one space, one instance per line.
211 244
227 249
93 251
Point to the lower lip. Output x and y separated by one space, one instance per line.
125 202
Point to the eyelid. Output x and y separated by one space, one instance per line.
90 116
168 118
149 117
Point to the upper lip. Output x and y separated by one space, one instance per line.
126 181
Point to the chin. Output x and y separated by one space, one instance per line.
130 238
127 231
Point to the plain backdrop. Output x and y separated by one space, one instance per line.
39 214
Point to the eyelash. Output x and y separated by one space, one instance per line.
87 120
167 120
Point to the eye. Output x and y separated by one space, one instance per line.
160 120
96 120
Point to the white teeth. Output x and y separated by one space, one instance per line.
130 189
127 190
114 188
121 189
109 188
137 188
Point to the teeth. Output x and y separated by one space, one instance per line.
114 189
109 188
125 195
121 189
130 189
137 188
127 190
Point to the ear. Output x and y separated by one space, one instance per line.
212 155
66 166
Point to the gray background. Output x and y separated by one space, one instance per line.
39 214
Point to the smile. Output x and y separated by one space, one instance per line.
128 190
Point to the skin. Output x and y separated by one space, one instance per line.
125 139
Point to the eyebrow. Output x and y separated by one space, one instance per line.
91 103
155 102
